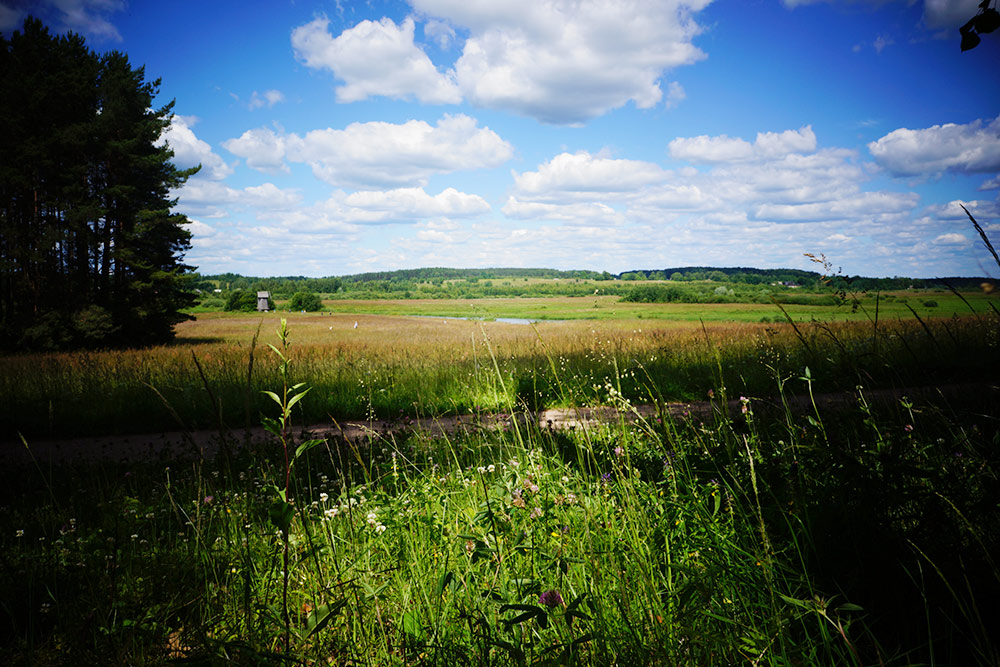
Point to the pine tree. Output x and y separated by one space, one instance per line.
90 252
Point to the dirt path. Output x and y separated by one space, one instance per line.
171 445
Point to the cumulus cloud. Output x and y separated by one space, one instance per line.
706 149
262 148
374 59
566 62
968 148
190 151
212 199
410 203
586 174
377 154
393 155
780 181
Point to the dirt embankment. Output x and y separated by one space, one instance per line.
192 444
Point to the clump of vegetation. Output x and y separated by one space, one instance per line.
307 301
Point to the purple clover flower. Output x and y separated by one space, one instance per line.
550 599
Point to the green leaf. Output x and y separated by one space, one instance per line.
296 398
281 514
305 447
521 618
272 426
804 604
412 625
849 606
321 616
274 397
445 579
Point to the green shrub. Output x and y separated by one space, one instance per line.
305 301
931 303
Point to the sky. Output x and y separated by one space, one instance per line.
339 137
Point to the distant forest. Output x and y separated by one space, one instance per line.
442 283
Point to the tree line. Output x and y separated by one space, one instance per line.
90 252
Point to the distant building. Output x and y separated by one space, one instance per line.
262 299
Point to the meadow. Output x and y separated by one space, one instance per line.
768 526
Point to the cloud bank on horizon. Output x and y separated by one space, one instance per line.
340 137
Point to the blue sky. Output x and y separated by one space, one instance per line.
341 137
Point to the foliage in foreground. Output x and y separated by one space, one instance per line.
857 537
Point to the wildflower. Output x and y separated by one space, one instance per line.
536 513
323 497
619 451
380 528
744 404
372 518
208 499
570 499
490 468
908 428
550 599
711 393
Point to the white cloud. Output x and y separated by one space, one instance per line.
262 148
189 150
374 59
968 148
377 154
991 184
566 62
729 149
590 213
389 155
268 99
409 203
213 199
868 204
675 95
584 173
951 239
439 32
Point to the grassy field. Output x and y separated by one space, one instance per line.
891 305
423 362
758 533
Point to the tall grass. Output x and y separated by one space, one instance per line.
403 366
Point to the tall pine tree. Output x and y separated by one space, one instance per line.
90 253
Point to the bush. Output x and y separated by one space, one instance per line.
95 326
931 303
305 301
653 294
